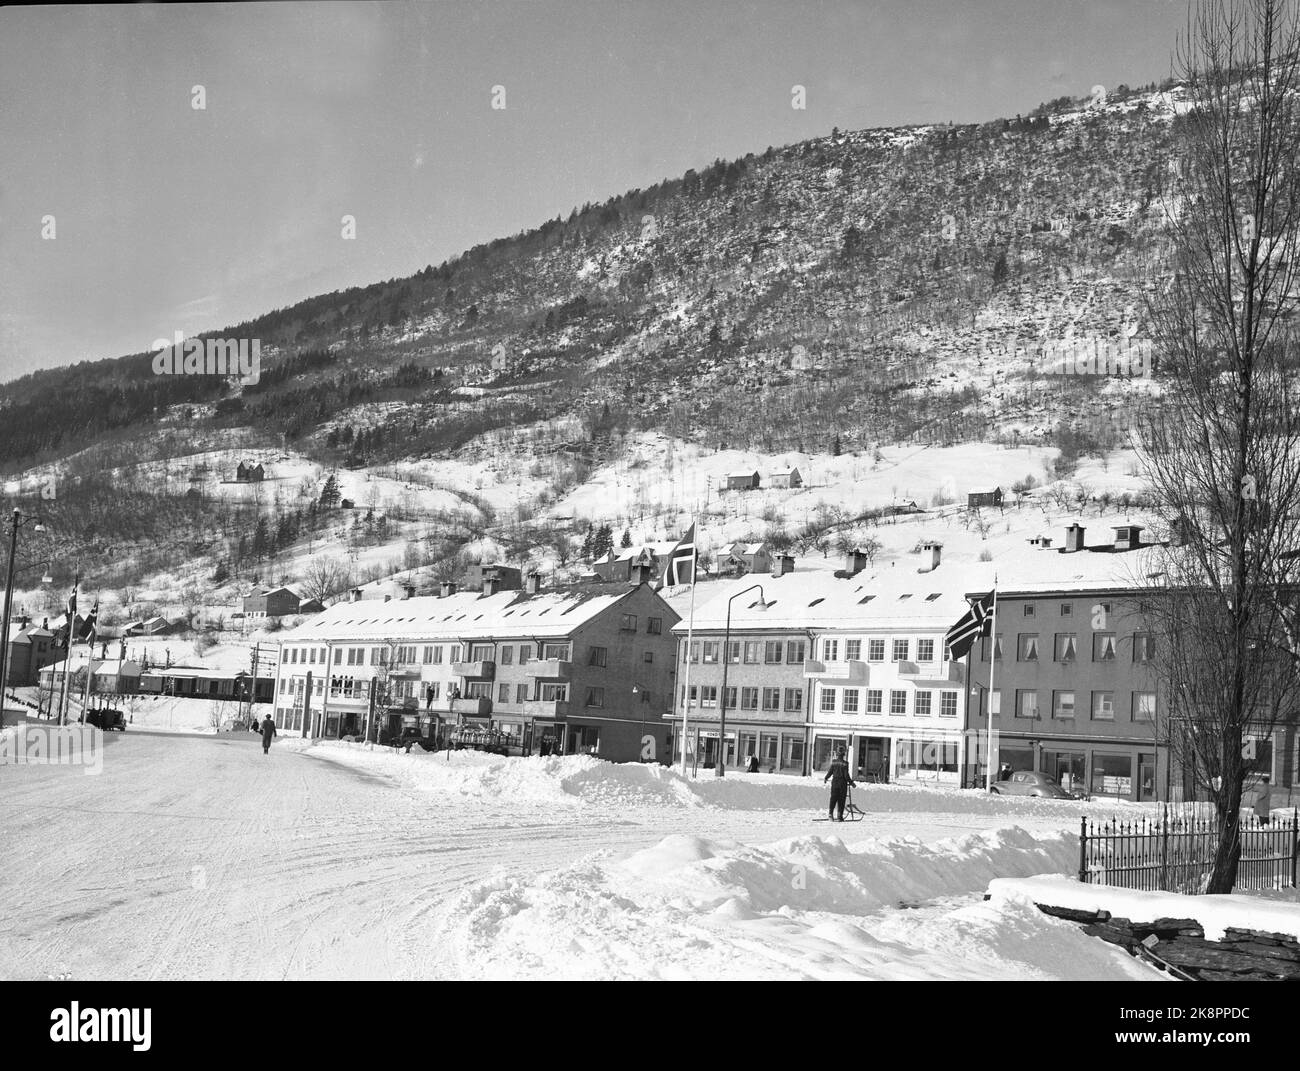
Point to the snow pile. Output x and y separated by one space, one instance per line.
1216 914
579 779
808 907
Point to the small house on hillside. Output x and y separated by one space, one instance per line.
247 473
742 481
275 602
983 496
741 558
787 478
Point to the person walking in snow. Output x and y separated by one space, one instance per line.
753 763
838 776
268 731
1263 800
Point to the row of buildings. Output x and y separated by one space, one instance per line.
799 661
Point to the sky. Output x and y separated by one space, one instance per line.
127 213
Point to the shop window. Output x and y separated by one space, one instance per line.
1112 775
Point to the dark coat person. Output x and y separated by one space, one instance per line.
838 776
268 731
1263 800
753 764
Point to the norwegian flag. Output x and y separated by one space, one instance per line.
88 627
682 561
72 618
974 623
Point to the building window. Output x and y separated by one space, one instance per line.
711 648
794 651
852 697
503 693
556 651
1067 609
729 697
1066 648
852 650
922 704
794 699
1027 647
596 697
830 650
751 651
597 657
1029 609
1063 704
771 698
900 650
875 650
507 655
654 626
733 651
749 699
628 624
1103 647
772 651
1112 775
437 656
649 656
1144 706
1026 704
521 693
874 699
480 652
897 701
559 693
645 696
1103 706
827 701
695 651
925 650
947 704
1144 647
525 653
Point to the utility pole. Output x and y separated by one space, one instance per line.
252 693
9 590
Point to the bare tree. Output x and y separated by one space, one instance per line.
1221 452
325 577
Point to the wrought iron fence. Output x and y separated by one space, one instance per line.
1175 852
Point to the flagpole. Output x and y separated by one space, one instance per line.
993 660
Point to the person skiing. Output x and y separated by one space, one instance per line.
838 776
268 731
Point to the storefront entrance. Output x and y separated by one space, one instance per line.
873 758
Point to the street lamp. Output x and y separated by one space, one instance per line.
726 663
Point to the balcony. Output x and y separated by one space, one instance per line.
474 707
853 671
482 670
551 669
546 708
932 674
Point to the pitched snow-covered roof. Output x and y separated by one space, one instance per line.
465 615
991 489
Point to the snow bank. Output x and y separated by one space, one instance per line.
808 907
1214 913
578 779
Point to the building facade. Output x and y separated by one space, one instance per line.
575 669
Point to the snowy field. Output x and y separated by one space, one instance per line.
199 857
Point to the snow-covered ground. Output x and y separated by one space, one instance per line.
198 856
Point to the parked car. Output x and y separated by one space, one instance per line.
106 718
1030 783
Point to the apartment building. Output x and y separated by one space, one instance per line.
579 668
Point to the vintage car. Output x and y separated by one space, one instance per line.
1030 783
106 719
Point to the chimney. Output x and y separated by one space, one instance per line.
356 594
854 562
1073 539
642 574
936 550
782 564
1128 536
388 598
533 583
448 589
22 623
45 623
410 592
490 583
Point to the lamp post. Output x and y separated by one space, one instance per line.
720 766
